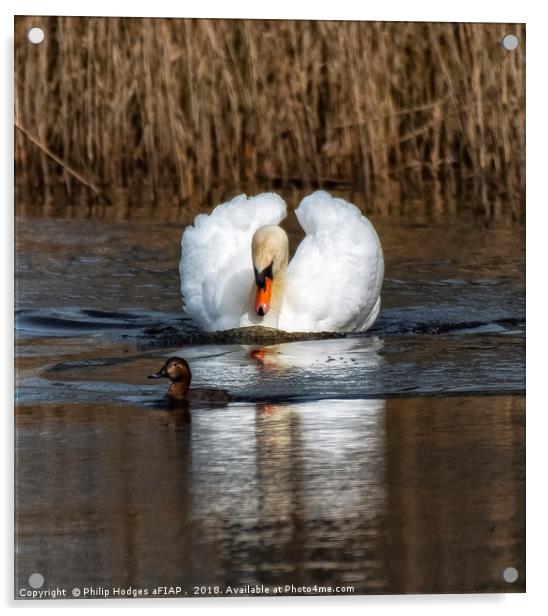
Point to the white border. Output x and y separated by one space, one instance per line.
464 10
537 141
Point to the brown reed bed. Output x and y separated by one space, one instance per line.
179 110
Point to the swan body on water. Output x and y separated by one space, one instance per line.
235 268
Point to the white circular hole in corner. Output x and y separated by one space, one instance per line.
36 580
510 575
35 35
510 42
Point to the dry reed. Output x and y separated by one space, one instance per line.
179 109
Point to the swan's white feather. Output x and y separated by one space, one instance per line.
216 269
334 280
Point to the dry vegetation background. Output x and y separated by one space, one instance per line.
179 110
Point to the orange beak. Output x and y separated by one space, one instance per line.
262 298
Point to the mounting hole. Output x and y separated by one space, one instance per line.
510 575
510 42
35 35
36 580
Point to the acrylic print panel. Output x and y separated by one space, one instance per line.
338 396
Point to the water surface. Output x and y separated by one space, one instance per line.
391 461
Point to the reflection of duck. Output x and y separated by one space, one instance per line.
177 370
332 283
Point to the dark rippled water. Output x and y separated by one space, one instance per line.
391 461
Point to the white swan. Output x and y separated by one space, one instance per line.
235 268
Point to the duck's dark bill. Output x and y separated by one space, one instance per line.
158 375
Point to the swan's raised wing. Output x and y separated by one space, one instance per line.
334 280
216 269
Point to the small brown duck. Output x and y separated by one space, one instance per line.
177 370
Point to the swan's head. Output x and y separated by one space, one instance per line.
270 253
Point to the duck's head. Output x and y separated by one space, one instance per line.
270 253
178 372
175 369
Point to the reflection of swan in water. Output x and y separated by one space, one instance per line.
318 354
235 268
304 481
